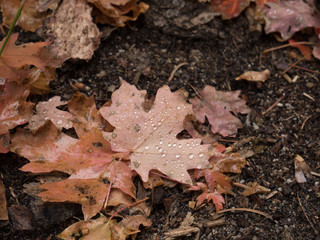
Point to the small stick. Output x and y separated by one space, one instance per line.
304 122
273 105
308 96
291 65
247 210
316 232
305 69
315 174
175 69
12 26
286 45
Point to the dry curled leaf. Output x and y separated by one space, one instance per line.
254 76
302 169
217 107
151 137
254 187
118 12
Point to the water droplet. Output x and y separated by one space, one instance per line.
155 128
181 165
164 155
179 146
178 155
191 156
201 155
154 165
113 135
169 144
199 166
161 142
159 123
178 108
160 150
182 174
146 147
174 145
59 122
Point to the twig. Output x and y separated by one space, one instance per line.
131 205
315 174
273 105
286 45
308 96
195 90
304 122
12 26
247 210
305 69
316 232
175 69
291 65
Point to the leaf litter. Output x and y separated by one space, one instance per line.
111 148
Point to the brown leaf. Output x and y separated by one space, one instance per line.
74 33
20 217
150 137
31 18
48 111
39 80
253 76
15 60
118 12
14 110
229 8
302 169
216 106
254 187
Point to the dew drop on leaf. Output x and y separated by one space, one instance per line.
201 155
163 155
161 142
191 156
178 155
59 122
146 147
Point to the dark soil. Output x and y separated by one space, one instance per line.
144 53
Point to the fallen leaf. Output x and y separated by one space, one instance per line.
216 106
150 137
118 12
215 197
89 161
15 60
48 111
14 110
103 228
254 76
30 19
74 33
39 80
229 8
254 187
288 17
20 217
302 169
305 51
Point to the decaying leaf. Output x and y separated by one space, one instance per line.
254 76
30 19
150 137
302 169
14 110
48 111
103 228
216 106
15 58
74 33
288 17
229 8
89 160
254 187
118 12
39 80
306 51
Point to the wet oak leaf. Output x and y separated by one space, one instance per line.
15 59
151 137
48 111
288 17
14 109
217 107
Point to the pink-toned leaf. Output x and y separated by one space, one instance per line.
216 180
217 107
216 198
288 17
150 137
14 110
48 111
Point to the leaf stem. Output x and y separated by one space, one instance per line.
12 26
